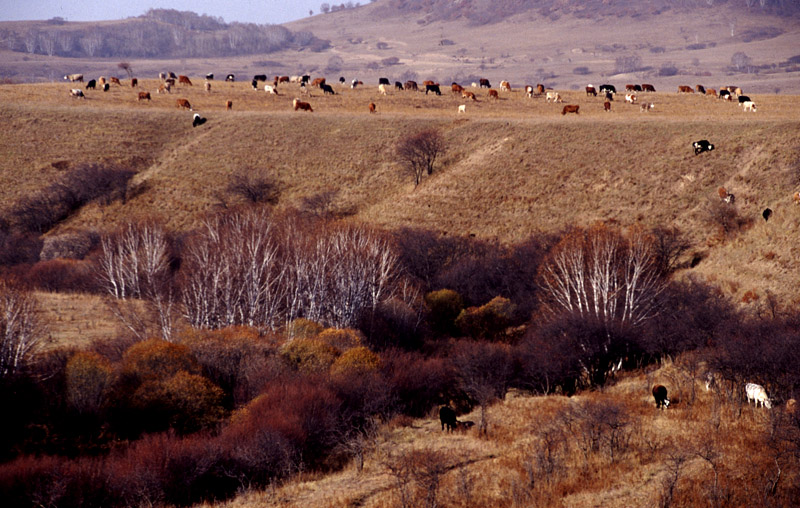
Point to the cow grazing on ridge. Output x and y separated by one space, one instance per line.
144 96
758 394
606 106
749 106
432 88
505 86
114 80
230 77
300 105
590 90
493 94
411 85
77 92
570 108
660 394
183 104
91 84
198 120
608 89
229 105
702 146
462 108
646 87
371 107
74 77
685 89
726 196
447 417
484 83
182 80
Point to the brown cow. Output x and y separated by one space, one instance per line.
493 94
570 108
428 82
298 104
318 82
539 89
281 79
505 85
685 89
456 88
183 104
134 82
607 106
796 197
630 88
101 81
184 80
590 90
371 107
229 105
711 92
725 196
466 94
144 96
115 80
700 89
411 85
646 87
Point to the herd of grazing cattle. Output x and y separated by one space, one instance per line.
304 85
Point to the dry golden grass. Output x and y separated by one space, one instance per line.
495 471
513 167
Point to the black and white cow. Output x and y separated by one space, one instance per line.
660 394
702 146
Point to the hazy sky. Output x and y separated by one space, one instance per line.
246 11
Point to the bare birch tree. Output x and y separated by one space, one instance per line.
21 333
135 265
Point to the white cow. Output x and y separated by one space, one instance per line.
749 106
270 89
382 89
554 96
529 91
758 394
462 108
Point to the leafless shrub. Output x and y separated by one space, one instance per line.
68 246
418 152
89 182
254 188
320 205
725 217
599 426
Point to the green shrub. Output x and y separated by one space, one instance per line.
302 328
356 361
445 305
157 359
89 377
309 355
488 321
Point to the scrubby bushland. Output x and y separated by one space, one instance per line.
41 211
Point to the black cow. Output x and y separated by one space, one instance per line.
91 84
341 80
210 76
743 99
255 84
607 88
198 120
609 96
638 88
660 394
485 83
724 94
383 81
398 85
305 79
448 418
702 146
106 86
432 88
230 77
260 77
767 213
172 75
326 88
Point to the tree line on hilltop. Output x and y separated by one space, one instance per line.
159 33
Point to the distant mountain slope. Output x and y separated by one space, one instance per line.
492 11
159 33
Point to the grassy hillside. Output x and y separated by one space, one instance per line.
513 167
